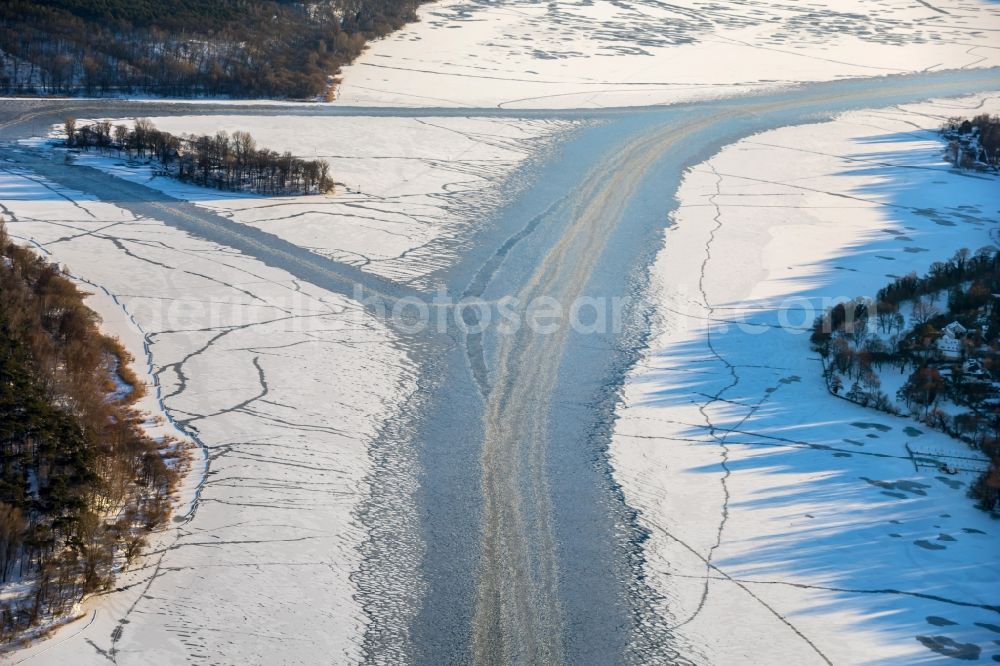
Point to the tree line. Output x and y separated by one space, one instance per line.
81 483
235 48
960 290
962 267
224 162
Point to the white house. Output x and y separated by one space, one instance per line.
955 330
949 347
975 370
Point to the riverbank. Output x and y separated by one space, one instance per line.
92 470
783 523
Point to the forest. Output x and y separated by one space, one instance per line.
188 48
224 162
81 483
939 334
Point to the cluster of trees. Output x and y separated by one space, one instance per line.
848 338
237 48
962 267
222 161
973 143
81 484
842 336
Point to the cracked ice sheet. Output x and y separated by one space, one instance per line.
413 188
244 356
600 53
822 210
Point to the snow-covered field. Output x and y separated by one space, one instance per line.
787 525
411 189
601 53
243 355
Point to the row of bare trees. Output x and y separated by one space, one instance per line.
964 266
223 161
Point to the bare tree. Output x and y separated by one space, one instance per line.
69 124
923 311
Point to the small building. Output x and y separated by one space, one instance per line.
955 330
973 369
949 347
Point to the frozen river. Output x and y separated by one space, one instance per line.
517 545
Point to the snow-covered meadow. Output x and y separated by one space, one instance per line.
410 190
787 524
284 385
604 53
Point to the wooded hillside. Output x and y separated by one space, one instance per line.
238 48
81 484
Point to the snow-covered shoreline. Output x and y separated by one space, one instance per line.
786 524
116 322
244 355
